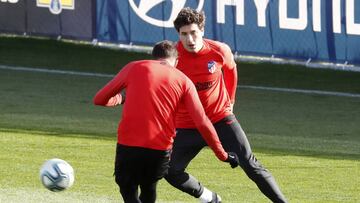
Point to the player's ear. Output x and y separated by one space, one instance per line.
202 32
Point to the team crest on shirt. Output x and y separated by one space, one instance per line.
211 66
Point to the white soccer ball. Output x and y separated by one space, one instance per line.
57 175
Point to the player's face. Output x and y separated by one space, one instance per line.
191 37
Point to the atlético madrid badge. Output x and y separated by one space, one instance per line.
211 66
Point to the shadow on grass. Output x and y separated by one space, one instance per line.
267 150
60 134
308 153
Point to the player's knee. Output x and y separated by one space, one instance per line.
172 174
253 168
176 177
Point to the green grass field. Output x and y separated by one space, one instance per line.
311 143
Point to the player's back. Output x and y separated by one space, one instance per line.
153 92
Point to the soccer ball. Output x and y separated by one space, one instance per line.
56 175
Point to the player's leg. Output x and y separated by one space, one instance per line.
234 139
129 193
126 173
148 192
187 145
156 166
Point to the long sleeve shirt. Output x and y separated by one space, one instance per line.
214 74
154 91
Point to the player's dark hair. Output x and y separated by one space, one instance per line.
164 49
189 16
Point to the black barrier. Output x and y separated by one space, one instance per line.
41 21
13 17
79 24
72 19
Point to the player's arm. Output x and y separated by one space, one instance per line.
230 73
110 95
205 127
203 124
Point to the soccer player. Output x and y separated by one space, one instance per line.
210 66
154 90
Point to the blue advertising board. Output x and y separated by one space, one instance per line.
320 30
323 30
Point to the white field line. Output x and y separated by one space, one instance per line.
317 92
18 68
320 92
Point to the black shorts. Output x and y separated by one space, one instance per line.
140 166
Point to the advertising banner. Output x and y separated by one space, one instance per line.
12 16
320 30
66 18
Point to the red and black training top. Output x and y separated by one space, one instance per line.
213 72
154 91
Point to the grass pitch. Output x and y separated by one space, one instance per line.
310 143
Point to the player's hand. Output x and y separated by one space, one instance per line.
232 159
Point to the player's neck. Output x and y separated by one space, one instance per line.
168 61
